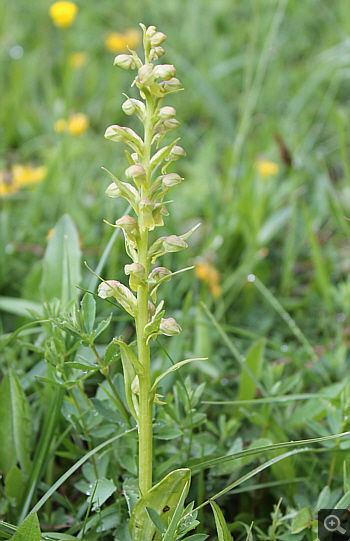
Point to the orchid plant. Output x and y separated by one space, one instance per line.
149 184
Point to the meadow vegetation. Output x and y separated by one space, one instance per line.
263 423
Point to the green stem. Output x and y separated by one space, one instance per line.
146 397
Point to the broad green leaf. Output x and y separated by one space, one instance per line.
103 409
173 368
61 263
302 520
14 425
14 486
88 310
254 358
19 307
105 488
220 523
163 498
29 530
155 518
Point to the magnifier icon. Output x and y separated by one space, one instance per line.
332 524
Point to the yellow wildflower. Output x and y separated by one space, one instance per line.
20 175
6 183
78 124
267 168
118 42
77 60
23 175
63 13
208 274
60 125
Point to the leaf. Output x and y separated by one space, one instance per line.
88 312
302 520
105 411
19 307
163 498
75 467
101 327
131 493
105 488
175 366
170 533
61 263
14 486
14 425
221 526
344 502
131 356
155 518
29 530
323 499
111 352
254 358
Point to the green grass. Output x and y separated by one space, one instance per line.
251 70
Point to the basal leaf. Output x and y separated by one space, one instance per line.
163 498
254 357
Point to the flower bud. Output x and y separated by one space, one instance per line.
131 106
156 53
151 30
128 107
135 268
146 74
124 61
170 180
171 124
165 71
146 207
169 326
157 39
158 273
107 289
113 190
128 223
176 153
167 112
173 244
136 271
151 310
171 85
120 133
137 173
